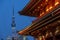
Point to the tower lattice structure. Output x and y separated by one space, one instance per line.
13 25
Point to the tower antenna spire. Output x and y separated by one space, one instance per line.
13 19
13 24
13 9
13 16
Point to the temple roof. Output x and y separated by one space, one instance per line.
46 19
42 23
29 7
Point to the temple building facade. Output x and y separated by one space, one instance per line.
47 24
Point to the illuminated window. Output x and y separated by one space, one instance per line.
46 0
56 3
47 9
50 7
42 14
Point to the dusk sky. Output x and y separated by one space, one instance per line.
6 17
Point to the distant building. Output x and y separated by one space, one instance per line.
14 35
9 38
